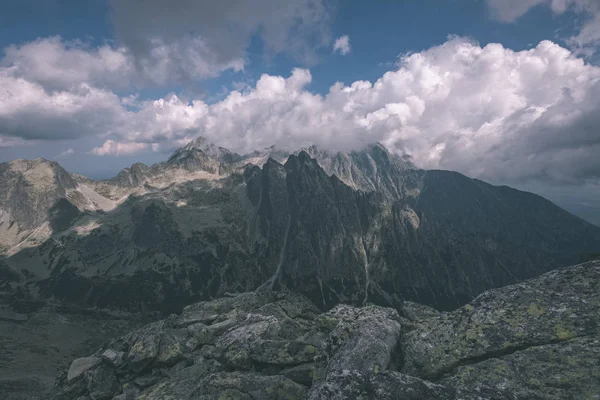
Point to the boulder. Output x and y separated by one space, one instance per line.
237 343
101 383
363 340
80 366
218 310
113 358
203 334
170 352
145 345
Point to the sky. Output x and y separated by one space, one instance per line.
506 91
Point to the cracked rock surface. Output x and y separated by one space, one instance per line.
539 339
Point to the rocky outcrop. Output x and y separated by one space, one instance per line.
536 340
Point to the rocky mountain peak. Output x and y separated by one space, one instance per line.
206 148
39 173
33 192
133 176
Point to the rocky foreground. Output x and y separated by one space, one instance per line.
539 339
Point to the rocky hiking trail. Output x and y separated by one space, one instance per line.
539 339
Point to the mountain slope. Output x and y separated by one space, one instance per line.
207 222
29 200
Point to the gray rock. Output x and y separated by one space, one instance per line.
303 373
558 306
536 340
282 352
565 370
389 385
113 358
199 369
418 312
146 381
363 340
145 346
233 385
80 366
102 384
218 310
203 334
170 352
64 390
130 391
236 344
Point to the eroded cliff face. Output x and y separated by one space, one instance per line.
346 227
539 339
444 239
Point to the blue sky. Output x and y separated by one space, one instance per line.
502 90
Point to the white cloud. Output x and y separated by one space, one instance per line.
30 112
114 148
487 111
342 44
67 152
58 65
589 34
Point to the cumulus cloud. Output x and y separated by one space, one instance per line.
114 148
589 33
489 112
342 44
30 112
218 33
58 65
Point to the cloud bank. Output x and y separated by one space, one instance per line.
489 112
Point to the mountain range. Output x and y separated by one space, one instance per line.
339 227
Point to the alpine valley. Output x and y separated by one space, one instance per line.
355 229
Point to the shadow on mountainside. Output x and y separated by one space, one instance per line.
293 226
